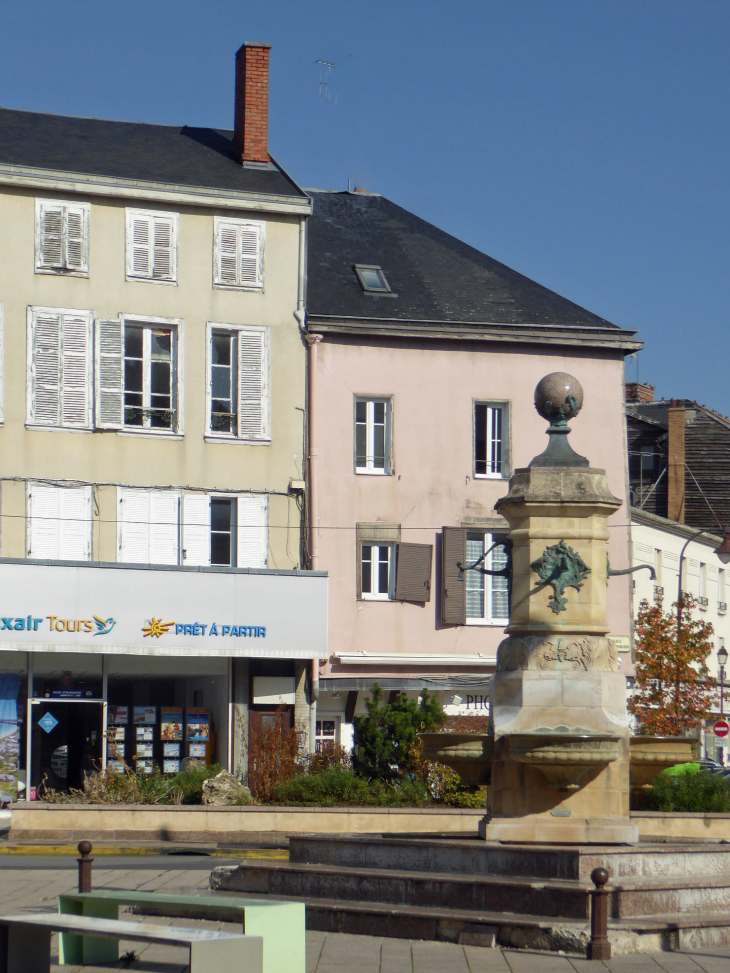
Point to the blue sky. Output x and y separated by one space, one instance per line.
583 142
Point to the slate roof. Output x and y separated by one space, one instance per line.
437 278
199 157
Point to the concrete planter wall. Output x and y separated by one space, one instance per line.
126 822
71 822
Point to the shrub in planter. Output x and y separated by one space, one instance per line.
692 789
342 786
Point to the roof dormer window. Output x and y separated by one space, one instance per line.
372 279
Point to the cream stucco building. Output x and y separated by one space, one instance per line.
153 430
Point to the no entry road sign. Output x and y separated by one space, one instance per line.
721 728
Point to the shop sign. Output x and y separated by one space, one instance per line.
475 702
223 614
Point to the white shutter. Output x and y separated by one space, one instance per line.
163 242
109 374
164 527
140 257
50 240
252 385
43 526
227 269
76 238
250 234
75 384
253 532
45 367
134 518
74 520
196 528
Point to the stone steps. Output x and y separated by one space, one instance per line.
400 921
473 856
390 886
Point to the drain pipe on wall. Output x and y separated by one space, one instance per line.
313 706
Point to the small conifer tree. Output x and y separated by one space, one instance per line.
386 740
673 690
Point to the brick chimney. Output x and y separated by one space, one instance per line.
675 472
639 392
251 123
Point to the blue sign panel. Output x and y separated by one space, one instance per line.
48 722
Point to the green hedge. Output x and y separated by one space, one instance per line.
687 788
343 786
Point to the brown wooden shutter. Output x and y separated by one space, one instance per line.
413 575
453 590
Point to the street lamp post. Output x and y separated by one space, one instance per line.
722 659
723 552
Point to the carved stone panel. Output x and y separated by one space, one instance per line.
583 652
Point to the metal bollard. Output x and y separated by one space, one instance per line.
84 866
599 946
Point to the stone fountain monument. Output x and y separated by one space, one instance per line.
559 752
560 768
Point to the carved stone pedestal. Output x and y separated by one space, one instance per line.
560 770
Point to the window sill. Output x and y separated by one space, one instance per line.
40 427
380 598
485 623
148 433
150 280
60 272
490 476
362 472
240 440
257 289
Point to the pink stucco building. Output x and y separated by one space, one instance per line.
423 356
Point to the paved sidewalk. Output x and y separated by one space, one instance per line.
24 889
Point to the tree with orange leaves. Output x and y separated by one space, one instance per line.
673 690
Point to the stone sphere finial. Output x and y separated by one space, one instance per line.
558 397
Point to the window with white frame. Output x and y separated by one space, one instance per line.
238 384
487 595
377 571
225 530
149 526
152 246
137 374
490 447
238 253
721 586
373 435
326 733
62 238
60 369
59 522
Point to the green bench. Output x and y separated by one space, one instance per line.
280 924
25 942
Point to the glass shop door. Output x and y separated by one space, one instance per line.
66 741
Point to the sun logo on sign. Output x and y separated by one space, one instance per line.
156 628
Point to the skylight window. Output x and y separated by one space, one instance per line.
372 279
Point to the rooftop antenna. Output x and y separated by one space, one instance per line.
324 79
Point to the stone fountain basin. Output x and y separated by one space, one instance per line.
563 757
650 755
469 754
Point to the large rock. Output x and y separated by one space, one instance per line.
224 789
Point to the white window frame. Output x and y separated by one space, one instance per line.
153 215
488 618
62 268
259 227
173 494
491 404
370 469
378 595
31 422
197 528
264 438
176 324
320 738
83 495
